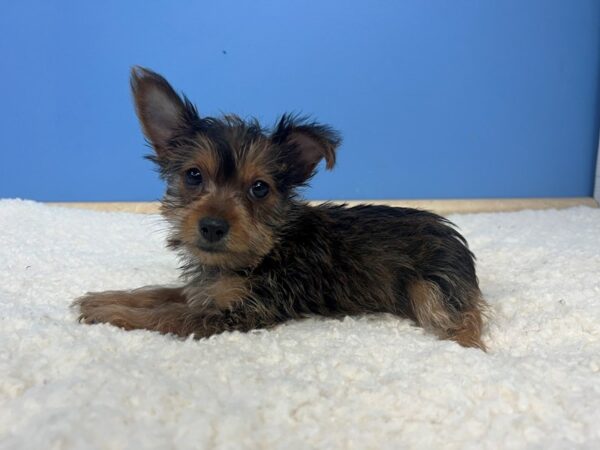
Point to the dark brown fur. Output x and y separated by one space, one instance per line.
280 258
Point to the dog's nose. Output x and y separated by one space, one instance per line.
212 229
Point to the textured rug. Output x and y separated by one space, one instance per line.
372 382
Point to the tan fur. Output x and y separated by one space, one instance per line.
146 297
249 239
227 290
159 309
428 306
468 334
205 157
253 162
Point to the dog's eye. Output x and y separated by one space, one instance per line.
193 177
259 189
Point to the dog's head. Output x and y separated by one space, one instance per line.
229 181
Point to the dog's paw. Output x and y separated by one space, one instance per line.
153 308
100 307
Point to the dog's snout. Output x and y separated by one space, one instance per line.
213 229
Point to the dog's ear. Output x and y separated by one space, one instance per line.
301 145
162 113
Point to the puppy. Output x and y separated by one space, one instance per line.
255 255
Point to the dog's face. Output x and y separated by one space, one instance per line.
229 182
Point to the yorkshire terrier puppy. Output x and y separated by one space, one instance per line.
255 255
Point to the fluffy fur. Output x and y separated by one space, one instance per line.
255 255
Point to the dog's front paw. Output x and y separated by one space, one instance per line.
152 308
101 307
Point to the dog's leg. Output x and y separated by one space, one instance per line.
155 308
166 310
145 297
432 312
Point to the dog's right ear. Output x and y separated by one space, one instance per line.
162 113
302 144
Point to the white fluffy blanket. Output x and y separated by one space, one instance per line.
373 382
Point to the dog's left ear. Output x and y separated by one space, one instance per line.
163 114
302 145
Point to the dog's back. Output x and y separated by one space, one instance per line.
332 260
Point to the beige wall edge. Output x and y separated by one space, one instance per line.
439 206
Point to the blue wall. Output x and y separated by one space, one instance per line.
435 98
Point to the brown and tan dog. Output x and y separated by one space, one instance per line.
255 255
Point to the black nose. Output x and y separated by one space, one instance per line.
212 229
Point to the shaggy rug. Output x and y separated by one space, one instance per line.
370 382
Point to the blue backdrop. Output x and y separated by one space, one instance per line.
435 98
